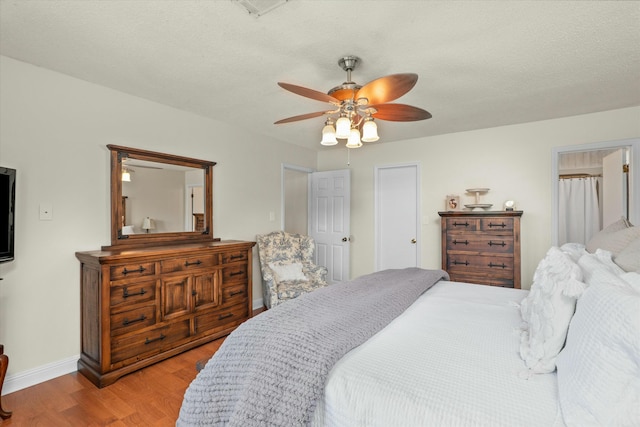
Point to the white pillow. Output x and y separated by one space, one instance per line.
547 310
601 260
629 258
289 272
599 368
574 250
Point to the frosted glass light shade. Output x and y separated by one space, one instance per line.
328 135
370 131
354 139
126 176
343 126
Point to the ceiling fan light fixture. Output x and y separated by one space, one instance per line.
328 134
354 139
369 130
343 126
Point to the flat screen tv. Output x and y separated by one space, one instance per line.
7 213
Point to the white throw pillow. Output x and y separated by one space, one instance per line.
599 368
288 272
629 258
547 310
574 250
601 260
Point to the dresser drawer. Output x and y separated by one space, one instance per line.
462 224
132 320
496 224
188 263
494 265
234 256
133 293
234 294
223 319
480 243
128 271
144 344
234 274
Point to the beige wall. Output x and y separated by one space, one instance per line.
53 130
513 161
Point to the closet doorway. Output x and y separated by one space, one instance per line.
593 186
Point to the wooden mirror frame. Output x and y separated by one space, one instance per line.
118 240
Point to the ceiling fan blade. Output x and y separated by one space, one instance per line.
309 93
387 88
302 117
400 113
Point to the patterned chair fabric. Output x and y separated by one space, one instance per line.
280 249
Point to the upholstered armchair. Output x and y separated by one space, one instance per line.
288 271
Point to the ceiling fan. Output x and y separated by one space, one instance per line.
357 106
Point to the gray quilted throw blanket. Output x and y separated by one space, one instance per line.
272 369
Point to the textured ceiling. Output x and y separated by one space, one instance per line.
481 63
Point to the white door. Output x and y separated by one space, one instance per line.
396 215
614 200
329 222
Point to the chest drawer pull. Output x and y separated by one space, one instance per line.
126 294
502 224
149 341
126 321
460 242
232 257
459 224
188 264
492 243
235 273
225 316
491 265
137 270
460 263
233 294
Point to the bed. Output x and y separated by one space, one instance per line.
411 348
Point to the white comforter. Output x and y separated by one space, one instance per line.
451 359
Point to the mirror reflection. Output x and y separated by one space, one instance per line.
161 198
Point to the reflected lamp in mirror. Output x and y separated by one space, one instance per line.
148 224
126 175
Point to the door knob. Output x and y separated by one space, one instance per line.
344 239
413 240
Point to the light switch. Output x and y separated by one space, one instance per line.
46 211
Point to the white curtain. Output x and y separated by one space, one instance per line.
579 212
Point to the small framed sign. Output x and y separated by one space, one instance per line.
453 202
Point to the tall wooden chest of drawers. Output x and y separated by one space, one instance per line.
140 306
482 247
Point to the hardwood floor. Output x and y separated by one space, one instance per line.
149 397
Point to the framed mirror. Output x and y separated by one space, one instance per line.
159 198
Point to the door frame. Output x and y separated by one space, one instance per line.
283 167
377 242
634 177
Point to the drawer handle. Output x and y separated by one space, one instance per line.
126 294
491 265
235 273
460 263
149 341
127 322
137 270
232 257
233 294
458 224
460 242
225 316
187 263
503 225
492 243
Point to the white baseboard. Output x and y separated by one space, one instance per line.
258 303
39 375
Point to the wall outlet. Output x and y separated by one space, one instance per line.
46 211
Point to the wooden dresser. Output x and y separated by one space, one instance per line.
140 306
482 247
